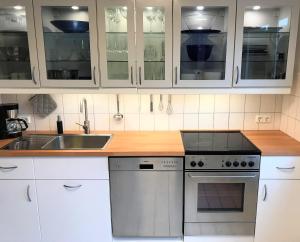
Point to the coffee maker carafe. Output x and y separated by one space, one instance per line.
10 125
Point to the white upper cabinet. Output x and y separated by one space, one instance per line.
18 56
154 43
66 34
117 43
203 42
141 58
266 37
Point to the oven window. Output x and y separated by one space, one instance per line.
214 197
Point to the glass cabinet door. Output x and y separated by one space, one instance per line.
67 41
117 43
154 43
203 43
266 31
18 57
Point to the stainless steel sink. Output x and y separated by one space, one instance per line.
77 142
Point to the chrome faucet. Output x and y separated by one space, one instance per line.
86 123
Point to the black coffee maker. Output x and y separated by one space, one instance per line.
10 125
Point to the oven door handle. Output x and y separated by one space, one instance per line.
191 176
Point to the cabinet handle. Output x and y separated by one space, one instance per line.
140 75
131 75
72 187
33 75
265 193
176 79
28 193
286 168
94 75
8 168
237 75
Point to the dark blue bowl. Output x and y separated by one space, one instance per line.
71 26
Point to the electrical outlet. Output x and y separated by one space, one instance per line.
263 119
259 119
27 118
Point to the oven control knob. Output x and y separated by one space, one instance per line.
193 164
236 164
228 163
200 163
251 163
243 163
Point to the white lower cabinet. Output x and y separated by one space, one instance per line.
74 210
19 212
278 212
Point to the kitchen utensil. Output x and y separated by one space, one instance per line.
161 104
43 104
118 116
151 103
71 26
169 107
199 52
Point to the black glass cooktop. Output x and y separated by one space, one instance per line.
217 142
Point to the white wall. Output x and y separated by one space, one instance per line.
190 112
290 122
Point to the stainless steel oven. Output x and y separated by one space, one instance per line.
221 201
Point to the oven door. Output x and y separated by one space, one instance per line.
220 196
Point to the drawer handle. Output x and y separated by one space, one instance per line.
72 187
8 168
28 193
265 193
286 168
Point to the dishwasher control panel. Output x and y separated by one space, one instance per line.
146 163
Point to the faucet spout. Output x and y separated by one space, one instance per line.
86 123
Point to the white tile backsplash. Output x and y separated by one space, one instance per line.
101 121
206 121
236 121
147 121
190 121
176 121
222 103
252 103
191 104
71 103
268 103
207 103
221 121
101 103
205 111
237 103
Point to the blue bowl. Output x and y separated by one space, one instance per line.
71 26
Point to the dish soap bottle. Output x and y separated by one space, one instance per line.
59 125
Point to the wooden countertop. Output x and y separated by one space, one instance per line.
162 143
130 143
274 143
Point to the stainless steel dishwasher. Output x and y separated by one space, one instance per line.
146 196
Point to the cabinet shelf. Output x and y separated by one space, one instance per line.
265 61
68 61
12 61
154 61
14 32
117 61
116 32
190 61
